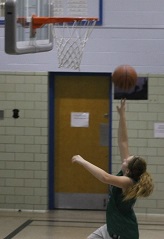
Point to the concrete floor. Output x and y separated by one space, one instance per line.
68 224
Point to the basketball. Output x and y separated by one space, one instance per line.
124 77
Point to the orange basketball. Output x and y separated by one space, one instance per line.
124 77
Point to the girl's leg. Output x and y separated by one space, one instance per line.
100 233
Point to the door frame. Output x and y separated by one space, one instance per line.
51 129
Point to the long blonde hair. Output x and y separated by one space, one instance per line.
143 185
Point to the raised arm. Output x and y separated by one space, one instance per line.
122 131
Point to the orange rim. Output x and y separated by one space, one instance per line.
38 22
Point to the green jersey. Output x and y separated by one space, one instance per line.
120 216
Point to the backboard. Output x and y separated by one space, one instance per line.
2 10
78 8
18 38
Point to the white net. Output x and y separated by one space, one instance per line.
70 41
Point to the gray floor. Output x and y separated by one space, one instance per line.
67 224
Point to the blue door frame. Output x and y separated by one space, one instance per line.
51 129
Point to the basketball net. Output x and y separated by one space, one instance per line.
70 35
70 41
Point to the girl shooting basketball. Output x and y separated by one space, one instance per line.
131 182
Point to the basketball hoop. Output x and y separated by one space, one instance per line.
70 35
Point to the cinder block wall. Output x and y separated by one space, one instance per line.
131 33
141 116
23 141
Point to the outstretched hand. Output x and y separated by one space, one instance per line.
77 159
121 108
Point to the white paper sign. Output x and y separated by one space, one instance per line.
79 119
159 130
